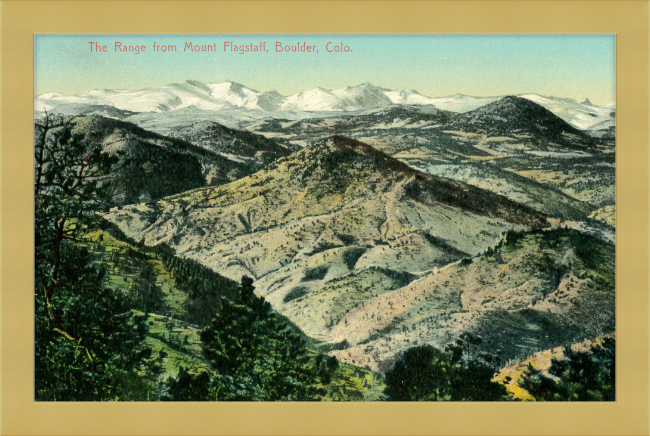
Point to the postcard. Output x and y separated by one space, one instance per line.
325 217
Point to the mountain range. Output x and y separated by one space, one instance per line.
234 96
375 220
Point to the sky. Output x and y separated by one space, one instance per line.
573 66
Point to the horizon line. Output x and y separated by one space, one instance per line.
362 84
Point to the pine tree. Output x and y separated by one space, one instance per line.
88 343
426 374
262 351
578 376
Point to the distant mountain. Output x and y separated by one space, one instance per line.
152 166
331 180
461 103
75 109
411 97
605 130
387 118
231 95
149 166
355 98
238 145
238 95
518 116
580 115
172 97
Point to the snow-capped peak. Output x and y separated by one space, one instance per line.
365 96
581 115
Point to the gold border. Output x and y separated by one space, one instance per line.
20 20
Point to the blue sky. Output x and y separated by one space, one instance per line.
575 66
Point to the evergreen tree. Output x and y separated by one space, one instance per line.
422 373
190 387
262 351
426 374
145 294
205 288
579 376
88 343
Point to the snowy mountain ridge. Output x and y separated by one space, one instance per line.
233 95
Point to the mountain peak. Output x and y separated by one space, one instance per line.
364 96
513 105
343 153
236 86
516 114
273 93
197 84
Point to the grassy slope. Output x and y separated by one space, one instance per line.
538 292
540 361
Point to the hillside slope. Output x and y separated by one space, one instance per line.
238 145
535 291
512 147
151 166
518 115
328 228
337 193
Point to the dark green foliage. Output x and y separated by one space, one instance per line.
464 347
317 273
219 138
149 172
512 237
295 293
351 257
151 166
69 186
422 373
516 114
262 351
579 376
91 347
587 246
144 294
346 239
88 343
427 374
257 356
326 367
204 287
190 387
